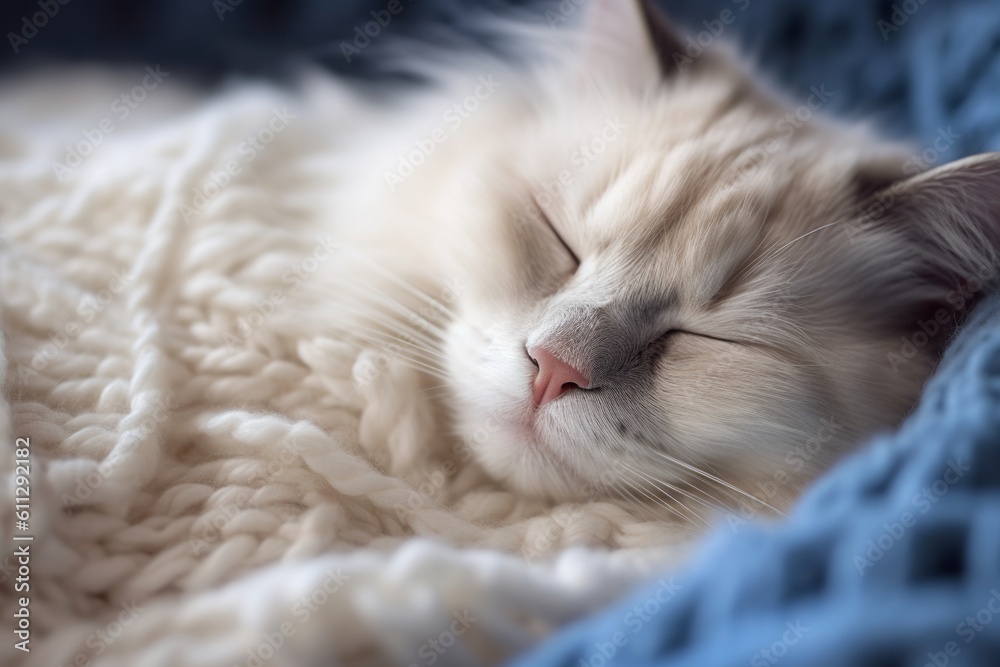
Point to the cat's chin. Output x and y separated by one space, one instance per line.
515 442
513 451
497 422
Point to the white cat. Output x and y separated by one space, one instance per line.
667 283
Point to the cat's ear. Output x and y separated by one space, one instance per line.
950 214
937 233
881 171
632 41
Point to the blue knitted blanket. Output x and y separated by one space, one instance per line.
893 558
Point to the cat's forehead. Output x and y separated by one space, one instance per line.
683 222
649 195
683 189
676 201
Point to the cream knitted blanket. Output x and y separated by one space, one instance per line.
204 478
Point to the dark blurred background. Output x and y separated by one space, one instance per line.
913 65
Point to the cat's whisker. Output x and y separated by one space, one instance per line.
384 340
418 365
380 343
718 480
430 353
399 282
637 505
660 483
413 363
412 317
397 315
402 329
774 254
686 513
436 387
687 494
658 502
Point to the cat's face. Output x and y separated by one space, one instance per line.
679 286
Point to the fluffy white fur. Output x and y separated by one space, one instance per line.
214 480
233 391
737 282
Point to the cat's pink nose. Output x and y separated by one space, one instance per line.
555 377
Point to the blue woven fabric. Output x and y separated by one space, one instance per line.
893 558
915 66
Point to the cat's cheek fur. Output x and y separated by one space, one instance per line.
702 214
490 400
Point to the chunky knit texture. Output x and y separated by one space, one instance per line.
203 450
933 71
208 491
892 559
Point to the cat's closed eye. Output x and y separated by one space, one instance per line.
547 221
725 292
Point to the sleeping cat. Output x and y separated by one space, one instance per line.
667 281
